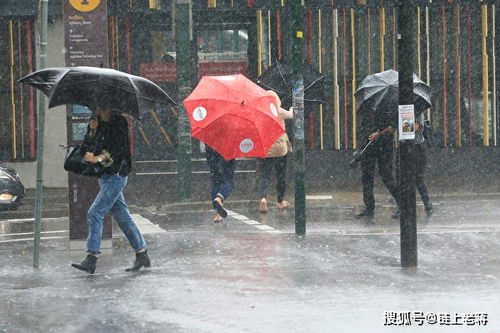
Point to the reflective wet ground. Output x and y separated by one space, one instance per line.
251 273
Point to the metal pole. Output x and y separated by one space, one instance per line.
183 59
408 219
40 134
296 10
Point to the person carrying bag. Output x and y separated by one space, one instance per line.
75 156
109 145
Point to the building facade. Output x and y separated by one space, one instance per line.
456 53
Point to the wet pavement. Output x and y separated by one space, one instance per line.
250 273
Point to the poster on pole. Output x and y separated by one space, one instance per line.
406 127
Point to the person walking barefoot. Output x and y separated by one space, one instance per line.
275 159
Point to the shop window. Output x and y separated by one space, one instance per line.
17 102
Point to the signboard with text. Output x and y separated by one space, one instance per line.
166 72
86 44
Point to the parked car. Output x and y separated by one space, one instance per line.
11 188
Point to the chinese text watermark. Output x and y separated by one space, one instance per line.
419 318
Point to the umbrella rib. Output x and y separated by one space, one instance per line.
271 88
314 82
282 76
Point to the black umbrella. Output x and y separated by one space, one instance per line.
98 88
278 77
379 92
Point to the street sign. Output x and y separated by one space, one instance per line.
86 43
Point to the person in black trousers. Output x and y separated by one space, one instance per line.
375 128
420 165
276 158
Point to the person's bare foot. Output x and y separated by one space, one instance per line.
283 205
263 205
217 218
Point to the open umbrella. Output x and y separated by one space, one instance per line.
96 87
234 116
278 77
380 93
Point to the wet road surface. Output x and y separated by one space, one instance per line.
250 273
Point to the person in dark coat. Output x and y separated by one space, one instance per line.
109 145
420 165
378 129
221 181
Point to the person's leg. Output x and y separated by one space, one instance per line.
122 217
109 191
367 173
214 188
105 199
215 178
385 170
280 164
420 165
264 173
227 183
265 168
225 187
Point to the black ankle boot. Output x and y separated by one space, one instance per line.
365 213
428 209
141 260
87 265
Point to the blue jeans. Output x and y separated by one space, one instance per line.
110 198
221 176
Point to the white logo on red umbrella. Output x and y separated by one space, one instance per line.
274 111
246 146
199 113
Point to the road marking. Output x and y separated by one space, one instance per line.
146 227
240 217
264 227
254 223
31 239
31 219
31 233
251 222
319 197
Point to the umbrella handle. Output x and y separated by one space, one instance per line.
368 144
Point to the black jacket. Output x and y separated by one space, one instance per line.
371 122
112 136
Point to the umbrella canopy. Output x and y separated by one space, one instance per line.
278 77
234 116
380 93
98 88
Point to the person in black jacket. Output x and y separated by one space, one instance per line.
109 144
420 165
377 129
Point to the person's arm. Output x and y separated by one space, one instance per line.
286 114
376 135
120 147
419 123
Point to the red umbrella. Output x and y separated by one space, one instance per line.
234 116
